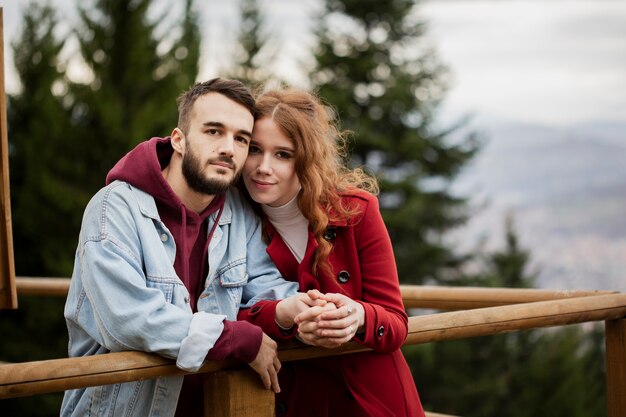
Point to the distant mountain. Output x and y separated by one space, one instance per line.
566 188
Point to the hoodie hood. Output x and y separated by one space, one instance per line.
142 166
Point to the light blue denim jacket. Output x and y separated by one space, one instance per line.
125 295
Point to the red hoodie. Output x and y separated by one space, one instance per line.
142 167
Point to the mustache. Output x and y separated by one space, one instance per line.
223 158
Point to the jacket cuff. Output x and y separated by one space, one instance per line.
204 331
240 340
367 335
263 315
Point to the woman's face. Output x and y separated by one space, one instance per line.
269 172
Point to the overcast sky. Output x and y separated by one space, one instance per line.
545 61
549 61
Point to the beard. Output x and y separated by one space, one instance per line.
197 181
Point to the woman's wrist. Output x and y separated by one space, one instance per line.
283 315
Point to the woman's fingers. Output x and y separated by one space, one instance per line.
313 313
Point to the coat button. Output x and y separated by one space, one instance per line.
381 331
330 234
163 237
343 276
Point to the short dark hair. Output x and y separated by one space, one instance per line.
232 89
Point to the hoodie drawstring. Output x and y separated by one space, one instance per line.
183 240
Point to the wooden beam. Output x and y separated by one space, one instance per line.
465 298
413 296
33 378
8 294
41 377
237 393
616 367
51 287
496 320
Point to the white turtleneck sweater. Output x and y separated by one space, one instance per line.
291 224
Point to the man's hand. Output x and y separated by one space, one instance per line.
266 364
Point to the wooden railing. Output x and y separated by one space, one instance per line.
235 391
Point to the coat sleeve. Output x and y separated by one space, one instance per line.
263 315
385 317
265 287
265 282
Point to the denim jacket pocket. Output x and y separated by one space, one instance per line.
233 275
167 285
232 279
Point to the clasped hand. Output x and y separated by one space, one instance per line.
326 320
329 320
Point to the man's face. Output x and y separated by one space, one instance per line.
216 145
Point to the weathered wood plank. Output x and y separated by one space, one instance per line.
496 320
8 294
462 298
34 378
616 367
237 393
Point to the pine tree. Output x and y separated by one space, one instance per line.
386 87
251 61
78 134
556 372
41 178
185 54
40 170
64 137
132 94
510 264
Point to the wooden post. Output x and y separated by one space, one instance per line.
238 393
616 367
8 295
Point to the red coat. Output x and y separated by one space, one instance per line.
375 383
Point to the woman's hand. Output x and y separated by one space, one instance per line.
288 308
331 327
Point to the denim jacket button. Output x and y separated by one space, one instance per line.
163 237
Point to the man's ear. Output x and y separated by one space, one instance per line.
178 141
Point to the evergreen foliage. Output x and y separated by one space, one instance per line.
60 158
36 331
42 175
65 136
251 61
42 187
131 96
386 86
555 372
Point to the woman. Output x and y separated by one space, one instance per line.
324 229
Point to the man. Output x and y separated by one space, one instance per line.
166 254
